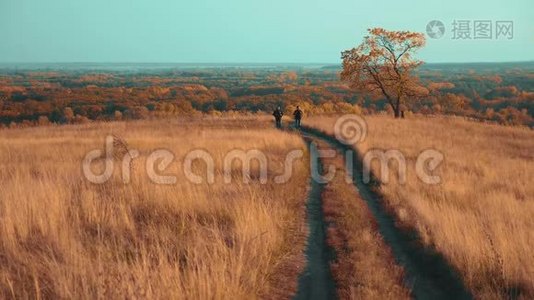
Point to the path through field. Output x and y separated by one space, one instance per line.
428 275
316 281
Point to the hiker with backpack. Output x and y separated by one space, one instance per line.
278 114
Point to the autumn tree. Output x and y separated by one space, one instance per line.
384 65
452 103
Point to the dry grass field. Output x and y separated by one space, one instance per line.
64 237
480 215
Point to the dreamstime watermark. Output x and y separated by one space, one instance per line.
352 129
254 163
159 161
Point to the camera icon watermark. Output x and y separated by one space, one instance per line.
465 29
435 29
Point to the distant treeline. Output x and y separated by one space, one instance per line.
496 92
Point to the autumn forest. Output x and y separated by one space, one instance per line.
77 93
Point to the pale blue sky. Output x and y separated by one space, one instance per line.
239 31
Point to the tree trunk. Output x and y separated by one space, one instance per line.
397 108
397 112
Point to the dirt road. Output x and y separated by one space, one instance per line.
316 281
428 274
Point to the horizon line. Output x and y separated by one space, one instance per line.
248 63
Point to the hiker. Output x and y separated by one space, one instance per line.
278 113
298 115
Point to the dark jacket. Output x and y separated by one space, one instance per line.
298 114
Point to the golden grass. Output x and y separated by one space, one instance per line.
64 237
364 267
481 215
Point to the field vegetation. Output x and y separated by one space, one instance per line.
62 236
480 215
